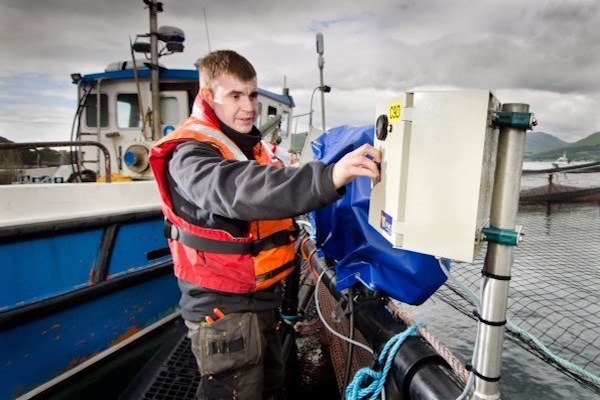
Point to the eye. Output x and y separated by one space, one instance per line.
254 95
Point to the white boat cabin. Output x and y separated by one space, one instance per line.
120 118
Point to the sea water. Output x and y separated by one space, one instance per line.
562 239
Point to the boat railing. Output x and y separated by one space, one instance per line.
35 145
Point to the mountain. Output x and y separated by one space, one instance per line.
586 149
29 157
539 141
592 140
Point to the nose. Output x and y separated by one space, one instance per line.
248 104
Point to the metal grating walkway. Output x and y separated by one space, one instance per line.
172 373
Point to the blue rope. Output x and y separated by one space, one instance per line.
354 391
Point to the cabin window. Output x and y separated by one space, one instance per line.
91 111
285 120
169 110
271 113
128 111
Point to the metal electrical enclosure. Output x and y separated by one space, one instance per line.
437 171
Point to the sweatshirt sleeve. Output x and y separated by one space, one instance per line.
246 190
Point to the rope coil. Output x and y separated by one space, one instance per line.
355 389
442 350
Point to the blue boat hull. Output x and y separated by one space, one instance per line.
72 290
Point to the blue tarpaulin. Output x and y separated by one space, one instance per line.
361 254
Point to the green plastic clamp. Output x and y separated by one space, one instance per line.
520 120
508 237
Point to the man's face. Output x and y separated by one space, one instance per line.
235 102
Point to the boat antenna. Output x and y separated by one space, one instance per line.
154 7
206 26
321 63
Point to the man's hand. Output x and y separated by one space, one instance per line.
360 162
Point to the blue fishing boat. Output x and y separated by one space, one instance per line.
83 275
85 267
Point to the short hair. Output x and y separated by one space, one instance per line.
223 62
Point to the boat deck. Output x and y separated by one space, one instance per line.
170 374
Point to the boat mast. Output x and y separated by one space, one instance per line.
154 7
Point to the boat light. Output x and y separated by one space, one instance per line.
136 158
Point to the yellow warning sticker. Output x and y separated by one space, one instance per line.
395 111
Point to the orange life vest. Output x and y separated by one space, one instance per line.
213 258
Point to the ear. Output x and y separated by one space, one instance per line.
207 95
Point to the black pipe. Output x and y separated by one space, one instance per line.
350 350
418 371
289 306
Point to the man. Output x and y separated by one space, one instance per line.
228 208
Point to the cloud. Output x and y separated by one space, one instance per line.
547 53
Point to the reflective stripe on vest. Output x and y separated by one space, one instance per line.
231 146
221 137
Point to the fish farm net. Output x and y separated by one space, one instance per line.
573 183
554 298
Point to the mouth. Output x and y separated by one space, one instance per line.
246 121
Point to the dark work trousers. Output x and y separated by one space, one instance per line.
238 356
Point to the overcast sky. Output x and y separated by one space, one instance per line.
543 53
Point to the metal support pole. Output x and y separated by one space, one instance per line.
498 261
154 72
310 120
322 88
321 63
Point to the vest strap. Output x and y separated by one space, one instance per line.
222 247
275 272
276 239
